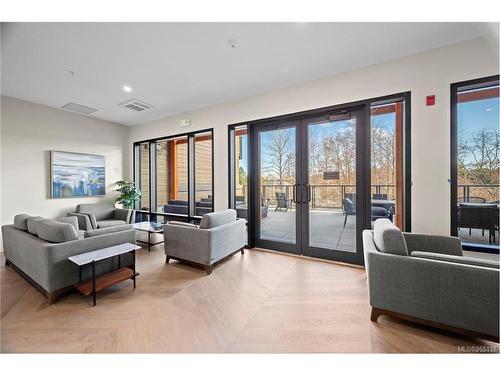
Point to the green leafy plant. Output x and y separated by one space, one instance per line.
129 194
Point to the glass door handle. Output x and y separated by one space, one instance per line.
308 187
294 193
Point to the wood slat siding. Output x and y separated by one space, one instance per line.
203 170
144 182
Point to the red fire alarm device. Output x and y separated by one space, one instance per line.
430 100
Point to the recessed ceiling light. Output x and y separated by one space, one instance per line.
233 43
127 88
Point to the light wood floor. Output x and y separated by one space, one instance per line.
257 302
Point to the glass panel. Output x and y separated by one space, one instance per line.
332 179
387 167
277 177
478 165
144 175
203 174
240 172
171 176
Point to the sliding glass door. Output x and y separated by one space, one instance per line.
278 215
310 183
332 184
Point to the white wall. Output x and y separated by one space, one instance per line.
427 73
29 131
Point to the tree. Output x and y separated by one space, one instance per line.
280 159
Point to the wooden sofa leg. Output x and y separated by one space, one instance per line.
209 269
167 260
52 297
242 250
375 314
7 262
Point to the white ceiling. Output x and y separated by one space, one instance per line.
178 67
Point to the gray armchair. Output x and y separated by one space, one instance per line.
101 215
218 236
427 280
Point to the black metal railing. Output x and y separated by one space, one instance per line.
330 196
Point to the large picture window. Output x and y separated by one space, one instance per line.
169 170
475 152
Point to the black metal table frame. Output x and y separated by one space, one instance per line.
149 243
92 264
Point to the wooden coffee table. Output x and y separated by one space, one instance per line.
96 284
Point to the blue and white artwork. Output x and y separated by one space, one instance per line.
77 175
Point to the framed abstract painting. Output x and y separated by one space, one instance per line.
75 175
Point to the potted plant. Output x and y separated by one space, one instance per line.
129 194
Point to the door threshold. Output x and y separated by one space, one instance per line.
309 258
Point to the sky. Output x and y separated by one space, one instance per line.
473 116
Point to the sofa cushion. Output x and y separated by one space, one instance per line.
109 223
457 259
73 220
215 219
102 211
388 238
21 221
100 232
32 224
55 231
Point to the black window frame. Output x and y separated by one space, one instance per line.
455 88
404 96
190 136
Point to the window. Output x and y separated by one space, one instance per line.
169 170
203 173
388 133
238 170
475 139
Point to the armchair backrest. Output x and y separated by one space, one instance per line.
215 219
101 211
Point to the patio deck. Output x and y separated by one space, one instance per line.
326 229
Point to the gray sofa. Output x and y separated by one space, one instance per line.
101 215
426 279
218 236
39 248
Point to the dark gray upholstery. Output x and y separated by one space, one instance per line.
432 243
84 222
32 224
21 221
102 215
388 238
100 232
456 259
110 223
54 231
73 220
47 263
457 294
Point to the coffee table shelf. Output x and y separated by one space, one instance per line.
105 281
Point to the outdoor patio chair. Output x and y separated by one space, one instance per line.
479 216
282 202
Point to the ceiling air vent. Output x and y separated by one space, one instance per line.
79 108
135 105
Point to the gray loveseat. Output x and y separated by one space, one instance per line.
426 279
218 236
39 248
102 215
